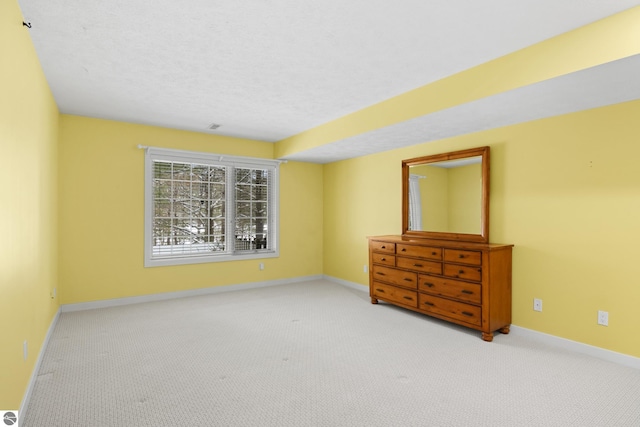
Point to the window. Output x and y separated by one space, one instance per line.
202 207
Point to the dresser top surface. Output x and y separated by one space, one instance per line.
456 244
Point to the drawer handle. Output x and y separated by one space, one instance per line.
403 250
466 313
380 290
406 279
460 256
460 271
418 265
383 247
429 303
407 297
429 284
434 253
380 273
464 291
383 259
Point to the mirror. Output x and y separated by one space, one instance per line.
446 196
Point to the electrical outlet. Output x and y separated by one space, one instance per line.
261 266
537 304
365 268
25 350
603 318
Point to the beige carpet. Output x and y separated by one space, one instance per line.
311 354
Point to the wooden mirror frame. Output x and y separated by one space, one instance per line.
483 237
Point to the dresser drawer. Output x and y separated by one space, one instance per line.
426 252
378 246
394 294
453 309
403 278
419 265
383 259
463 291
463 257
463 272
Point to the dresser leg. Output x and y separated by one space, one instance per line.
374 300
505 330
487 336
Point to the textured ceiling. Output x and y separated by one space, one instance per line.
267 70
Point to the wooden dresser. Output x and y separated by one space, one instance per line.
460 282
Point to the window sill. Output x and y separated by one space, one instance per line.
168 261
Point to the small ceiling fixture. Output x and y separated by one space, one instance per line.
213 126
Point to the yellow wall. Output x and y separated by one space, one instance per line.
465 186
434 197
28 206
564 190
101 214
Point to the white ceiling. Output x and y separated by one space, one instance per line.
270 69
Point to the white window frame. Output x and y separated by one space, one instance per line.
162 154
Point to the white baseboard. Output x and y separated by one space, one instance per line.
181 294
578 347
352 285
575 346
34 374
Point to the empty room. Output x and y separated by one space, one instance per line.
338 213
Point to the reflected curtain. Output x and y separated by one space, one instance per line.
415 203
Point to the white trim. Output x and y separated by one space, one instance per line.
91 305
352 285
34 374
552 340
202 259
578 347
198 156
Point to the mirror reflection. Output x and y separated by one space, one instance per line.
446 196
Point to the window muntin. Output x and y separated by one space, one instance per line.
201 207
